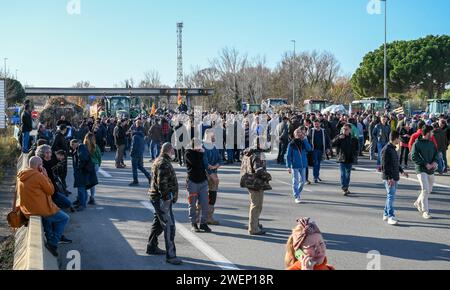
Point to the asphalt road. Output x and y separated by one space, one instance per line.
113 234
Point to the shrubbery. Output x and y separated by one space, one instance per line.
9 151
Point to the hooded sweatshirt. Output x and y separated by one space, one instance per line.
35 192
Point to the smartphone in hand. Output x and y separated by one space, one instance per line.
299 254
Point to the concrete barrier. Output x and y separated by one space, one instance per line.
30 252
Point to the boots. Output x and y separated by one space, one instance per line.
210 219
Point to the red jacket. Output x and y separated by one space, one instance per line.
417 135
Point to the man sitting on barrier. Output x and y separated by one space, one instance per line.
35 190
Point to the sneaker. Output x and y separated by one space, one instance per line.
72 209
308 182
195 229
319 179
385 218
316 181
134 183
426 216
417 206
205 228
52 249
92 201
345 192
298 201
174 261
378 168
65 241
392 221
155 252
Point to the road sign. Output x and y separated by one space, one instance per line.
2 105
35 115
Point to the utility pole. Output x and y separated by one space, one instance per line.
180 55
293 74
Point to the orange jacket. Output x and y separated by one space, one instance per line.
35 192
323 266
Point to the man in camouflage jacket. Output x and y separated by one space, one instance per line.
255 178
163 193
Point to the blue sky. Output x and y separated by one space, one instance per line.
112 40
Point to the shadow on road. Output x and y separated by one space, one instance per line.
404 249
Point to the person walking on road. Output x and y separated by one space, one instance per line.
282 131
197 186
27 127
84 172
426 158
320 142
96 158
120 140
347 146
306 249
137 153
155 135
391 169
381 135
163 194
214 161
255 178
442 136
297 162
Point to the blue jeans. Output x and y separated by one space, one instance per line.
380 147
155 147
389 207
317 158
54 227
93 188
61 200
298 181
230 155
346 170
82 196
361 144
138 163
25 142
444 155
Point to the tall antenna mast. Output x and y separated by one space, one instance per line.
180 55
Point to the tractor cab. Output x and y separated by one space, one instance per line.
315 106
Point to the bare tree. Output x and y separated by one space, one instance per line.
230 65
152 79
128 83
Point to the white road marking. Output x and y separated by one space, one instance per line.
206 249
104 173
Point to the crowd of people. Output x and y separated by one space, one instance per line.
303 141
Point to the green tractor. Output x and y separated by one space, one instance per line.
121 107
438 107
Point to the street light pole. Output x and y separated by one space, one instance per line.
385 50
293 75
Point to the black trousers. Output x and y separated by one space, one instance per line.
404 153
282 148
163 222
212 198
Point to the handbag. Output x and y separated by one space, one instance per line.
16 218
